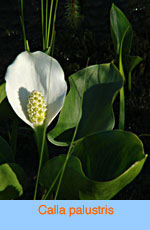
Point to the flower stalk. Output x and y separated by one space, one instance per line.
40 133
49 26
36 90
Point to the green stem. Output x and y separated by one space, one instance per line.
65 163
122 109
62 170
39 131
122 96
49 23
54 20
52 185
52 44
46 23
23 26
73 138
42 20
41 146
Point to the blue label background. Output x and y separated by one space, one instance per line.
20 215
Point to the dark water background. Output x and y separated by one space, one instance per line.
92 40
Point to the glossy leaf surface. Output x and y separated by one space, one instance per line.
121 30
104 164
98 85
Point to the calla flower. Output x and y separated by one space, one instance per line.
35 87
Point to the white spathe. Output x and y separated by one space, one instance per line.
35 71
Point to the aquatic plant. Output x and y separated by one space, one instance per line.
98 161
72 13
122 35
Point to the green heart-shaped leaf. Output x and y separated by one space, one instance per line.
106 155
10 177
92 92
121 31
130 62
122 35
106 163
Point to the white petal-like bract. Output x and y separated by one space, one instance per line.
35 71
